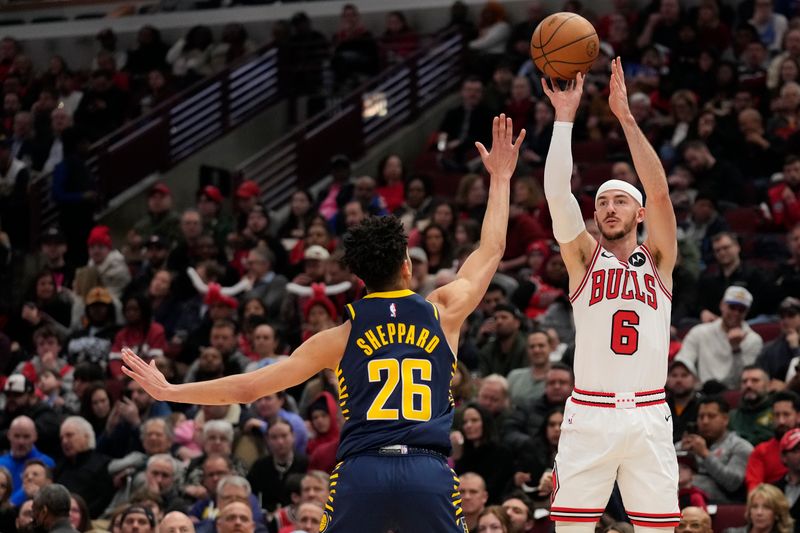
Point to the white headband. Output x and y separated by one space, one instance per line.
623 186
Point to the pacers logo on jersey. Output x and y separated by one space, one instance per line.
324 521
393 311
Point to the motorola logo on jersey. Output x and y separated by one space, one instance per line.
637 259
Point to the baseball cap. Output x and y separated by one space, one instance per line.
789 441
688 365
248 189
140 509
159 188
18 383
315 251
98 295
738 296
508 309
212 193
418 254
789 305
53 235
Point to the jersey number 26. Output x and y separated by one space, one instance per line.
392 373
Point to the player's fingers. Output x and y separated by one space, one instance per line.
502 127
579 80
555 85
545 88
495 127
481 150
509 129
520 138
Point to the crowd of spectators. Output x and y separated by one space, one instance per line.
218 286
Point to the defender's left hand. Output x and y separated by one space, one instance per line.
618 93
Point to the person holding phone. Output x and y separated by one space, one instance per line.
721 455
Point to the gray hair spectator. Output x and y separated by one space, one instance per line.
84 470
51 509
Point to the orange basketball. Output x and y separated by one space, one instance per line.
564 44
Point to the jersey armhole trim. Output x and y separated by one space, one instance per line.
588 273
435 309
667 293
351 311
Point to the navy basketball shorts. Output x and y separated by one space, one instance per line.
407 492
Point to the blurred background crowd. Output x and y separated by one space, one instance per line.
215 284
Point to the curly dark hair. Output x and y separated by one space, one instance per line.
375 250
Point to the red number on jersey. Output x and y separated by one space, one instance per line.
624 335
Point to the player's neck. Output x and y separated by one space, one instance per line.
622 248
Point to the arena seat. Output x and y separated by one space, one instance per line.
768 330
743 219
729 515
589 151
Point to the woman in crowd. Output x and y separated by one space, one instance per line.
767 511
477 448
533 467
7 512
79 513
471 197
494 519
96 405
301 212
140 333
438 247
391 187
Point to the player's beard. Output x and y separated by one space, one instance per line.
627 227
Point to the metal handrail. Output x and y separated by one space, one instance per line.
395 98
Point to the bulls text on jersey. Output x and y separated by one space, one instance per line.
613 283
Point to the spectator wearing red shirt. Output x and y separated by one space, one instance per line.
398 41
764 465
391 186
523 229
783 201
140 334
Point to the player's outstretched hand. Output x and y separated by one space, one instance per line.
148 376
618 93
502 159
565 101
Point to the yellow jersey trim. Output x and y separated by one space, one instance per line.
390 294
352 311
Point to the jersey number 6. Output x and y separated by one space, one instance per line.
395 373
624 335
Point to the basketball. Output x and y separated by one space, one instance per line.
564 44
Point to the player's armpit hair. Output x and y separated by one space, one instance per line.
375 251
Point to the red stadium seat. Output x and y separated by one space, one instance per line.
768 331
589 151
743 219
731 515
595 174
732 397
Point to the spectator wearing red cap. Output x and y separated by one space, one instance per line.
790 484
160 219
209 204
247 196
319 313
764 465
109 263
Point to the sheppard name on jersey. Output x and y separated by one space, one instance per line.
624 284
391 333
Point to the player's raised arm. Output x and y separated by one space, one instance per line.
460 297
659 215
323 350
569 230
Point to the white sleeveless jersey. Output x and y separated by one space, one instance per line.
622 319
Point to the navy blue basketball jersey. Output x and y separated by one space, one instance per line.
394 377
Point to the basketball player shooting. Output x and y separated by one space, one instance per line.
617 425
394 359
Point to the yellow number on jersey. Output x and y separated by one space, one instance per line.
410 388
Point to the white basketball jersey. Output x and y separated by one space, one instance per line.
622 318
